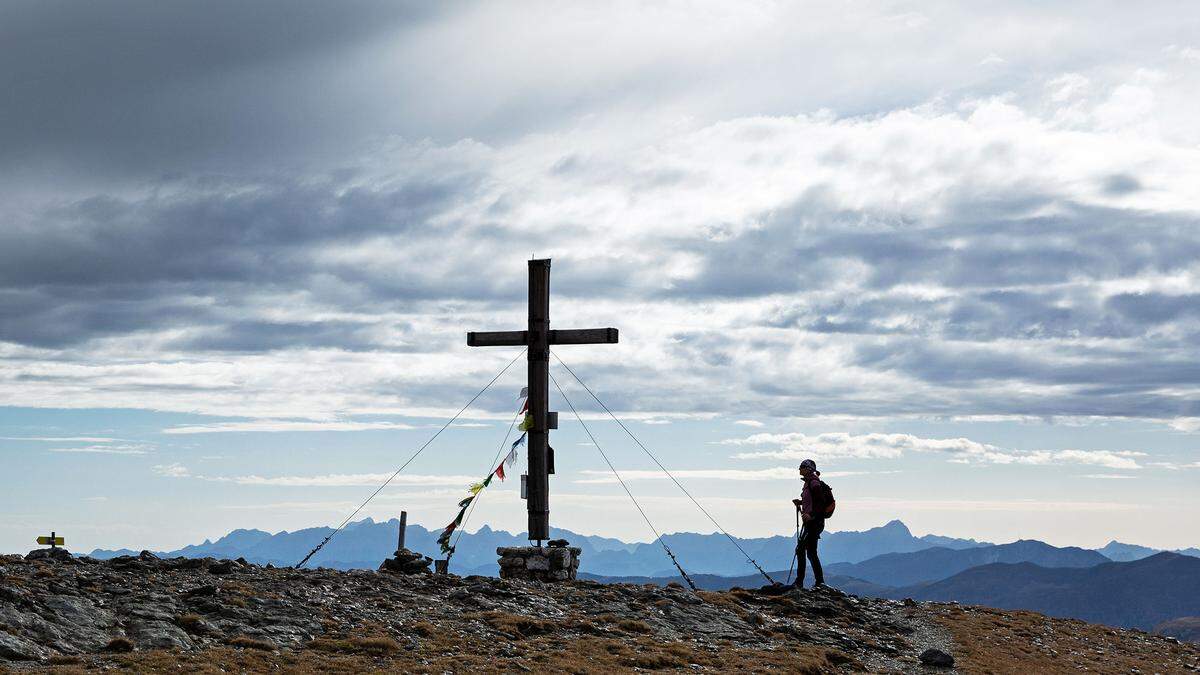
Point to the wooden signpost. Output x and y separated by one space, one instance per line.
538 338
53 541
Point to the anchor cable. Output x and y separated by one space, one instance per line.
658 537
407 462
664 470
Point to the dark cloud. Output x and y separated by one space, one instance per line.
809 245
146 87
263 336
1155 308
1120 184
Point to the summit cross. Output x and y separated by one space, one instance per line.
537 339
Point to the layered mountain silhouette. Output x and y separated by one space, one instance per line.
365 543
1118 552
1139 594
932 564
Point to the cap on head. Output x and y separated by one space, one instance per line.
808 464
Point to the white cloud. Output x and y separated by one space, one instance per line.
173 470
347 480
1015 505
276 425
1186 424
1106 476
777 473
750 423
106 449
799 446
61 439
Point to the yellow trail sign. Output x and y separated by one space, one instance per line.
51 541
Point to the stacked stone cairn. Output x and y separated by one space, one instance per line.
405 561
557 562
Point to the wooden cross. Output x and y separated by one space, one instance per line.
538 339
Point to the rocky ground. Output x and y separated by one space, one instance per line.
204 615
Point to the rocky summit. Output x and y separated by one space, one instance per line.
206 615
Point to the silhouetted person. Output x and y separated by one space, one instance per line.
812 513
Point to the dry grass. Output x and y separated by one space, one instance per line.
544 654
995 642
424 629
373 646
516 625
244 642
119 644
192 623
626 625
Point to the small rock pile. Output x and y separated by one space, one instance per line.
404 561
59 554
536 563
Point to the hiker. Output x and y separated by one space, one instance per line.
812 510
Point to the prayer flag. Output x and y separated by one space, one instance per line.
475 488
527 422
500 471
524 392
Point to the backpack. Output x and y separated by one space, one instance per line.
823 501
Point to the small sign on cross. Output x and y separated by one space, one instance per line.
53 541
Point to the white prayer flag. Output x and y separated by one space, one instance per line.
524 392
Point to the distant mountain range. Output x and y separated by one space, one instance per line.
933 564
364 544
1118 552
1138 594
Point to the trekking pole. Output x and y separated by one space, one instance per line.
795 551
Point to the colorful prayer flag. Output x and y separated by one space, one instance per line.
500 471
524 392
527 423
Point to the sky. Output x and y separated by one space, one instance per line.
951 252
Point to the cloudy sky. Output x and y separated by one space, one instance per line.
950 252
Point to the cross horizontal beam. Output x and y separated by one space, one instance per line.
517 338
499 338
584 336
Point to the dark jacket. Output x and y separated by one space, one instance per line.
807 496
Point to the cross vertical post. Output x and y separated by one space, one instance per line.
537 338
539 399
